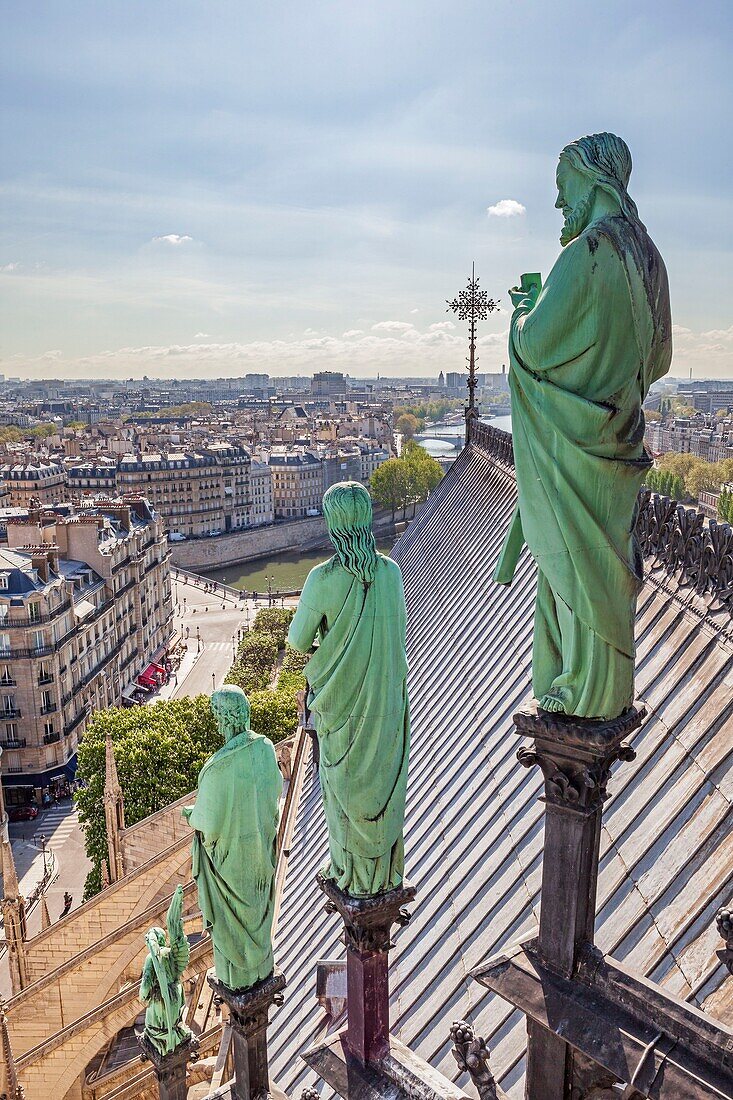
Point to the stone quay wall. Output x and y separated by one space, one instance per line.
238 547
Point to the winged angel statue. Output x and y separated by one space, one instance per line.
160 988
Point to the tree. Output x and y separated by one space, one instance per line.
423 473
274 713
388 484
159 752
651 416
406 425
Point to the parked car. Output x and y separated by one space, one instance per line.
176 536
22 813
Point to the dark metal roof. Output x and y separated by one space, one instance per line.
474 822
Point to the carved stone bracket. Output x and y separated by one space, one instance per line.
575 754
472 1055
368 921
368 937
249 1008
170 1069
249 1015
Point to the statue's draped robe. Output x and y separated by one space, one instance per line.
358 697
156 1018
234 855
582 360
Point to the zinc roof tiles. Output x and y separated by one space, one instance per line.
474 824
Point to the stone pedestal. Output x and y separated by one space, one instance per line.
170 1069
575 755
367 934
249 1014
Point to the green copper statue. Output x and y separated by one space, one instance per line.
584 350
354 605
160 988
235 819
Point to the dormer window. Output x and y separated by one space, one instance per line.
4 580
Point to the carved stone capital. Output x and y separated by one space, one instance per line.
249 1008
575 754
368 921
472 1055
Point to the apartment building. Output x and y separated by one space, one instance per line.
260 479
33 482
198 493
297 483
85 606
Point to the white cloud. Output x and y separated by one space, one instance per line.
352 332
414 311
173 238
392 326
442 326
7 268
201 336
507 208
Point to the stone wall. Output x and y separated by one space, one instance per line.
242 546
108 910
144 841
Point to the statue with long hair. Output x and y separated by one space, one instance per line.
584 350
235 822
353 607
161 990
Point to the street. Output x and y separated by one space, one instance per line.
59 824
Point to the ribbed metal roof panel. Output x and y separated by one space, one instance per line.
474 825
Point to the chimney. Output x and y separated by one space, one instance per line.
39 561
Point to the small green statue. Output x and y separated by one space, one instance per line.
160 988
235 819
354 606
584 350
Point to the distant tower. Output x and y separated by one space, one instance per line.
441 381
114 813
472 305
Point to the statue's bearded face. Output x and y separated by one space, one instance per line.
574 198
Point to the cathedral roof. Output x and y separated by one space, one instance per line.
474 825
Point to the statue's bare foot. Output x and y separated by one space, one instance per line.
552 703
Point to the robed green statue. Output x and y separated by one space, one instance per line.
160 987
584 350
353 607
235 819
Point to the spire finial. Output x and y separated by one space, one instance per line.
472 305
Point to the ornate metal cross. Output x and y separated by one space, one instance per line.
472 305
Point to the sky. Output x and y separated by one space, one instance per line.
211 187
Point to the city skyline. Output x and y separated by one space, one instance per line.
216 191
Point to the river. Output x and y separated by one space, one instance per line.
438 449
288 570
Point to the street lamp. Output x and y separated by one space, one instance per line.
213 682
43 841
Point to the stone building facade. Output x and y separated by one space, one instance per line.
198 493
261 509
297 483
85 605
29 482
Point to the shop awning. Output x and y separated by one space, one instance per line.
84 608
42 779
